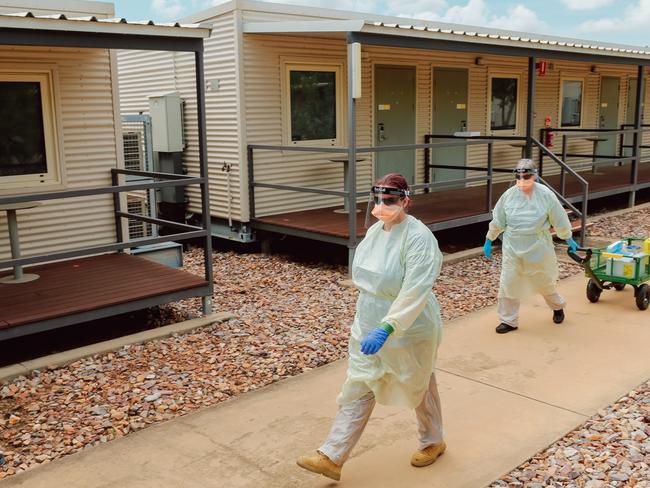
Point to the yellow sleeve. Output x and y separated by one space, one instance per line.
558 217
498 223
423 261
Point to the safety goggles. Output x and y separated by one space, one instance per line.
385 193
381 196
524 174
386 199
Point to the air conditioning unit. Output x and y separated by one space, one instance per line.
138 229
133 151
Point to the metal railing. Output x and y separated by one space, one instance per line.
565 168
594 159
163 180
351 199
489 140
428 147
622 144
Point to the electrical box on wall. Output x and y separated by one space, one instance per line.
166 112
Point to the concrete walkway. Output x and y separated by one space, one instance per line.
504 399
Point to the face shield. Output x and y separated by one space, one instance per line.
525 177
385 204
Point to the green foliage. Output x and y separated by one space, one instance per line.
504 103
313 105
22 140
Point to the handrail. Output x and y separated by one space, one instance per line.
371 149
622 144
557 160
560 195
593 159
582 132
178 180
603 159
442 184
303 189
462 141
171 180
480 138
89 251
351 199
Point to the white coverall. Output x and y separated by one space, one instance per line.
529 263
395 272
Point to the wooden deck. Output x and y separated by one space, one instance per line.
71 288
447 205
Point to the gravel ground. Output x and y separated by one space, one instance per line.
634 224
611 449
291 318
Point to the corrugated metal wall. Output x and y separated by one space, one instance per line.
262 64
89 151
142 74
253 113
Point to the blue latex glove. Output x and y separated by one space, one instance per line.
487 248
573 245
374 341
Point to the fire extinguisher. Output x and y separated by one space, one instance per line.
548 134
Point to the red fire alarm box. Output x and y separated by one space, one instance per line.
541 66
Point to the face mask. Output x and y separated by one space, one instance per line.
386 213
526 185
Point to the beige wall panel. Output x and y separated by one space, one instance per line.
144 74
89 152
263 58
262 105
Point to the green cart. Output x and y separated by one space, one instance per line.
606 270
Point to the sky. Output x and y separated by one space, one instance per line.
617 21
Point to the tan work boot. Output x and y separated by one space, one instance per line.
320 464
428 455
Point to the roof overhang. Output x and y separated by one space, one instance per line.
430 37
91 32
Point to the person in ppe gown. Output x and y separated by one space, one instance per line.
395 332
523 216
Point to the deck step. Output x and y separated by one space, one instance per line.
576 225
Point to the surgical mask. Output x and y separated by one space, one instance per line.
386 213
525 185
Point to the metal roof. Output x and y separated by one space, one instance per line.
477 36
484 33
329 21
92 24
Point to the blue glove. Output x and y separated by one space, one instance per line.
487 248
375 339
573 245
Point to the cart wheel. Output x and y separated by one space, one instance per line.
643 297
593 292
619 286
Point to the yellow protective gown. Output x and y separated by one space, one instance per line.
395 272
529 261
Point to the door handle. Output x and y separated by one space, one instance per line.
463 126
381 135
